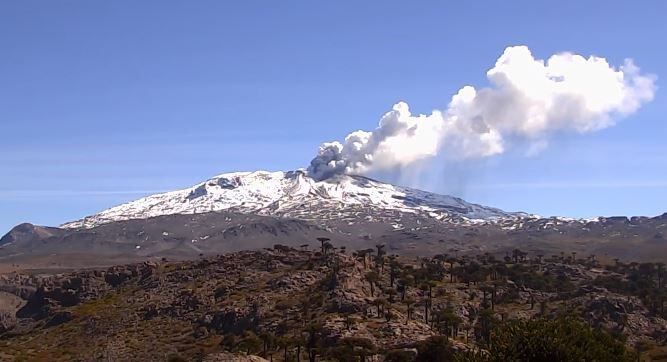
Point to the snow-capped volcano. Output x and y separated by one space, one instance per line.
295 194
255 210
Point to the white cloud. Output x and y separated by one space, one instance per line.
527 98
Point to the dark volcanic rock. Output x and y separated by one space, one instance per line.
117 277
59 318
7 321
234 320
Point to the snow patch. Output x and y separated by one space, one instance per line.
294 194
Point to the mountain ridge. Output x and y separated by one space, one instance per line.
254 210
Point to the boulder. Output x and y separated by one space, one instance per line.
59 318
7 321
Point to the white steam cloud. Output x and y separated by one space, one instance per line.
528 99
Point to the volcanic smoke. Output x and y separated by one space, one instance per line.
528 99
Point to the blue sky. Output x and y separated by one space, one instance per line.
102 102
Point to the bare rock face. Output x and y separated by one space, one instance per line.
9 304
21 291
346 301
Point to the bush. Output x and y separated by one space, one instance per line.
563 339
435 349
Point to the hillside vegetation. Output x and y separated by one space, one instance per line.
287 304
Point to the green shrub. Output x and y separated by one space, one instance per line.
563 339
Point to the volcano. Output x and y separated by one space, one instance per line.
255 210
294 194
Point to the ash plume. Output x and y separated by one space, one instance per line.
528 99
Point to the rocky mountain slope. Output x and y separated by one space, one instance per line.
184 236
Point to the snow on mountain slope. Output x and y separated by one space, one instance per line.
295 194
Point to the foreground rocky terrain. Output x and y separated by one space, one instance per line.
331 303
